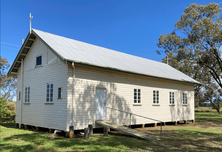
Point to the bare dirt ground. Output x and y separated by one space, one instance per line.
198 136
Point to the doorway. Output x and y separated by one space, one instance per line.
100 104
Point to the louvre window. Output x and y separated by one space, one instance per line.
27 94
49 93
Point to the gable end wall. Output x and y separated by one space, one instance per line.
37 113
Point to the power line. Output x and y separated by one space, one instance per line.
10 44
9 48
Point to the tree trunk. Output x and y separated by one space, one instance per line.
215 107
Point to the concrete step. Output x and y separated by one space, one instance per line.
127 130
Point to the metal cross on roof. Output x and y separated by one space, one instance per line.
30 22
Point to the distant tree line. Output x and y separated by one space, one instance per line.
7 92
194 48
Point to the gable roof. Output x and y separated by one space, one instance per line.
79 52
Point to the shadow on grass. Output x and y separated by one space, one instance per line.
172 140
200 139
15 148
216 121
6 124
188 140
197 133
26 142
97 142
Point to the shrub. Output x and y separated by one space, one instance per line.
197 110
7 109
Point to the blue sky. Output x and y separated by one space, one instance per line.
130 26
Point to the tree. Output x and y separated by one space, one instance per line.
213 95
7 84
194 48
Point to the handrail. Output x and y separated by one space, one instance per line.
136 115
142 117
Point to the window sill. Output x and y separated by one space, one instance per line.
26 103
137 104
172 105
156 104
59 98
49 103
184 105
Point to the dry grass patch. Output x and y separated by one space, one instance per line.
204 135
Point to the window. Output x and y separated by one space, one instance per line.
185 98
19 95
38 60
172 98
137 96
59 93
155 96
27 94
49 93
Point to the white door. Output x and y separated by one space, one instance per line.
100 104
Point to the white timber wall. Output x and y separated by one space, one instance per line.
38 113
120 95
18 102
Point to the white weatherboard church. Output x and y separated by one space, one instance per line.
62 83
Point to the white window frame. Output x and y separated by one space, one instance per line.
61 93
51 86
36 61
171 98
156 97
136 96
27 92
184 98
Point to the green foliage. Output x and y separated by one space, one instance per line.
7 110
8 123
7 84
206 110
4 111
194 48
209 116
197 110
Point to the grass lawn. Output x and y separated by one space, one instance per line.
204 135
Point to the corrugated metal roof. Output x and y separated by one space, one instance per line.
73 50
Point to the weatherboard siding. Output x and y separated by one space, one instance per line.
120 95
18 102
70 96
37 113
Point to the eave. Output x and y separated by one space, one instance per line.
30 38
26 46
127 72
